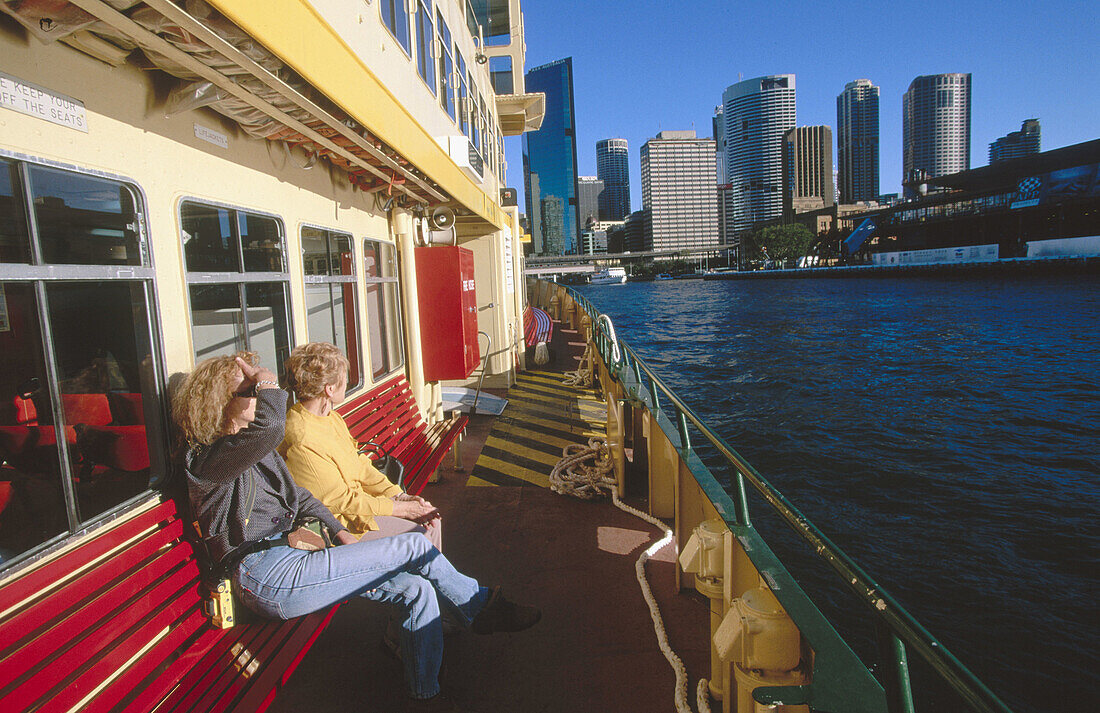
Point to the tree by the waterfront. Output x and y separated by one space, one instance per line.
782 242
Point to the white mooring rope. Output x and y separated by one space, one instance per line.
583 376
572 477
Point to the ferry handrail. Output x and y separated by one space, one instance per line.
904 628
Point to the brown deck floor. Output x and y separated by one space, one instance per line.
595 649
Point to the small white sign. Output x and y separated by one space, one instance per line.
33 100
509 277
214 137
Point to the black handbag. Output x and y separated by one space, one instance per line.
385 462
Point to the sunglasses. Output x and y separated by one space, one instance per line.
248 392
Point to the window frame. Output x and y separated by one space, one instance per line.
425 43
396 322
353 330
240 279
38 274
393 5
462 98
446 66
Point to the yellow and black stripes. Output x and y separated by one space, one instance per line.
542 417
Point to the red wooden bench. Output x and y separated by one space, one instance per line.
537 326
387 415
118 623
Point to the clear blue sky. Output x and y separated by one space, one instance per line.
642 66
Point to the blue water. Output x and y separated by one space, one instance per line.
943 432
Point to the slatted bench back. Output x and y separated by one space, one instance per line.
117 623
537 326
387 415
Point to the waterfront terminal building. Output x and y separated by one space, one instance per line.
1040 206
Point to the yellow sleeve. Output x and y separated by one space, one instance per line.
321 476
375 481
372 480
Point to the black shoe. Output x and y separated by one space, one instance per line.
500 614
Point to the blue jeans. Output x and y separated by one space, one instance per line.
404 570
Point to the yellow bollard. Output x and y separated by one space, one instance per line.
704 555
764 645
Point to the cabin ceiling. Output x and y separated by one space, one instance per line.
217 65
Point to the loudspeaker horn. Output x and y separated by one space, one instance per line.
441 218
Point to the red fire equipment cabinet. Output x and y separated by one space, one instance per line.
448 312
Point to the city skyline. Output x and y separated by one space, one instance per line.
675 77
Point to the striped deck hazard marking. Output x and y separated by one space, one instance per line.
542 417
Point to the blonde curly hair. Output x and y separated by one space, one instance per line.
311 367
198 405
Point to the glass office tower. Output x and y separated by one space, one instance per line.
550 163
757 112
935 128
613 168
857 141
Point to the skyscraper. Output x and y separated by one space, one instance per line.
935 127
857 141
725 199
679 193
613 168
807 169
756 113
1015 144
589 191
550 163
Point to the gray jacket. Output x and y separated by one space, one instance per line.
240 488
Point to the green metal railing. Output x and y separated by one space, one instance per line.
897 631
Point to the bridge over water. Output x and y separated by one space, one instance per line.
572 264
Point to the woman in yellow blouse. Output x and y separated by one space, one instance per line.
324 458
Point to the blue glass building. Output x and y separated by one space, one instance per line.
550 163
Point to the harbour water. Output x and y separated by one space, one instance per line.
943 432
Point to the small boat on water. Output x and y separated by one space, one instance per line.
608 276
663 276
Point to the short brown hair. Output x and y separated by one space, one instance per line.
311 367
198 405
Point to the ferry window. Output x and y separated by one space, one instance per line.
83 220
82 425
446 67
395 16
482 124
493 18
331 314
425 39
15 244
500 74
463 100
238 284
475 112
383 307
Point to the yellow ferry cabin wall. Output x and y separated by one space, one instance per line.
345 51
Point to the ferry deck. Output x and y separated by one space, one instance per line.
595 648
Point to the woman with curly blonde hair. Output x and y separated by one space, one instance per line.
232 414
324 457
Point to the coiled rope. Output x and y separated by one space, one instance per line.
571 476
583 376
